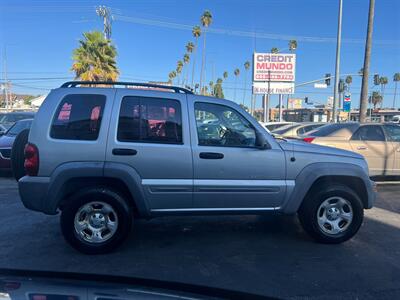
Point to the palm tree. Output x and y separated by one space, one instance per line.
205 20
218 92
274 50
225 75
179 67
349 81
189 47
94 59
396 79
375 99
236 73
211 84
186 60
196 31
171 77
246 68
292 45
383 82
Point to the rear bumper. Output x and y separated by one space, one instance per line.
33 192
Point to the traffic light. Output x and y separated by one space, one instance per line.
328 79
341 86
306 100
376 79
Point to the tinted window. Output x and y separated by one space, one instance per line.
219 125
78 117
332 129
369 133
153 120
393 131
18 127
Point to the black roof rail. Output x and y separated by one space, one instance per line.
176 89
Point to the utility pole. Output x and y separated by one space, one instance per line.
280 107
105 13
367 58
337 68
6 84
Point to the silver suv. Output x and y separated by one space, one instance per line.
103 156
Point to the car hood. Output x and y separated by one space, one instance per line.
300 146
6 141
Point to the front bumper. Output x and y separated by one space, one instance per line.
33 192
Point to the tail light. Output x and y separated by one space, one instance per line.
308 139
31 163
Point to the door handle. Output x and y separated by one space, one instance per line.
362 148
211 155
125 152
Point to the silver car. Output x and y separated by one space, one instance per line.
105 156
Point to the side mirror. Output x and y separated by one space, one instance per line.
261 142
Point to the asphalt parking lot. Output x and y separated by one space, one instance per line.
259 254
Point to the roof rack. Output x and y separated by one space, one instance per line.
176 89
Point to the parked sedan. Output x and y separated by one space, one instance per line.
296 130
8 119
270 126
7 140
378 143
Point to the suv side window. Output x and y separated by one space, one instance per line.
220 125
369 133
78 117
393 131
150 120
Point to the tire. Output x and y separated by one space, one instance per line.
97 200
323 205
17 154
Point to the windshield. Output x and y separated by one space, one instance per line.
18 127
332 129
13 117
285 128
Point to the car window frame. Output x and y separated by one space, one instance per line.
388 135
148 141
231 108
385 137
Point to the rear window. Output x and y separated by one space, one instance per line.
78 117
151 120
285 129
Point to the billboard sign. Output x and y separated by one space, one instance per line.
295 103
274 67
283 88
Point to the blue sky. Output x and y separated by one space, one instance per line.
40 35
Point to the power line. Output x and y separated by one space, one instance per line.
250 34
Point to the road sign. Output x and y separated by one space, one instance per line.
320 85
347 102
274 88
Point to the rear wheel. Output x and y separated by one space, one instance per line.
17 154
96 220
332 215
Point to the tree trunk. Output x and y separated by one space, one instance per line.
194 62
367 58
234 94
394 97
244 90
203 60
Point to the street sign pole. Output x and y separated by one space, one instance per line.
336 87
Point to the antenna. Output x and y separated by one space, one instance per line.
105 13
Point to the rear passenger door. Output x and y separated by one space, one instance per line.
149 131
370 141
393 133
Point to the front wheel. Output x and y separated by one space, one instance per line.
96 220
332 215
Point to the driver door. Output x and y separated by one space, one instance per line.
229 170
